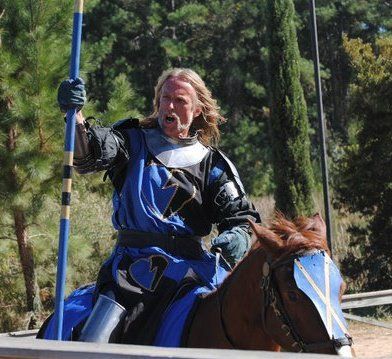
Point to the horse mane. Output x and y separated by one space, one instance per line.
284 237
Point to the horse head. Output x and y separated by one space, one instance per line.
301 287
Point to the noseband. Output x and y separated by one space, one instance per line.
272 298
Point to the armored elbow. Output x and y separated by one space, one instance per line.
83 156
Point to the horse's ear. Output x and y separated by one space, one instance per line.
319 225
265 236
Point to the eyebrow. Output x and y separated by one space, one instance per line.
181 97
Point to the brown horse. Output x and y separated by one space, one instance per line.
260 307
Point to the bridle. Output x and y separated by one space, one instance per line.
272 298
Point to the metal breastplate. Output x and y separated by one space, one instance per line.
176 153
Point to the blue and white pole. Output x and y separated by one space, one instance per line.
67 175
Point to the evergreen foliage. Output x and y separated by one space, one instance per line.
223 41
289 124
365 172
34 58
31 59
363 19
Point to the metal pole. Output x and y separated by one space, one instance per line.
67 175
324 166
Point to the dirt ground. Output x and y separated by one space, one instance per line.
371 341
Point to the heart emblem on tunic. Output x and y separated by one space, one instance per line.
147 272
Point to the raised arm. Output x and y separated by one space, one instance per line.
96 148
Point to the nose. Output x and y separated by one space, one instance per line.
170 105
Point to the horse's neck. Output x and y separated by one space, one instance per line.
230 317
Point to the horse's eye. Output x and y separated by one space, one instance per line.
293 295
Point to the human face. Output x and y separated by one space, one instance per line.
177 107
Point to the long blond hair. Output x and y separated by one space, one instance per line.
206 124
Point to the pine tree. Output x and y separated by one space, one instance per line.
289 125
365 170
357 19
33 59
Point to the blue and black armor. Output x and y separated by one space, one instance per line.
167 195
155 191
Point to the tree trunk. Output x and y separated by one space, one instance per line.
340 80
33 302
26 260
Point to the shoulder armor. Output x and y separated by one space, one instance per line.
232 169
126 124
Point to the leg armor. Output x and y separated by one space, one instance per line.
104 322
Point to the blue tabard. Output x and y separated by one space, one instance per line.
147 193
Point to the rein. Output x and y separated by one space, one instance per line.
221 320
273 299
220 300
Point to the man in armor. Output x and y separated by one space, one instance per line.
170 186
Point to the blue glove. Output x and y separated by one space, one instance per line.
71 94
234 243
